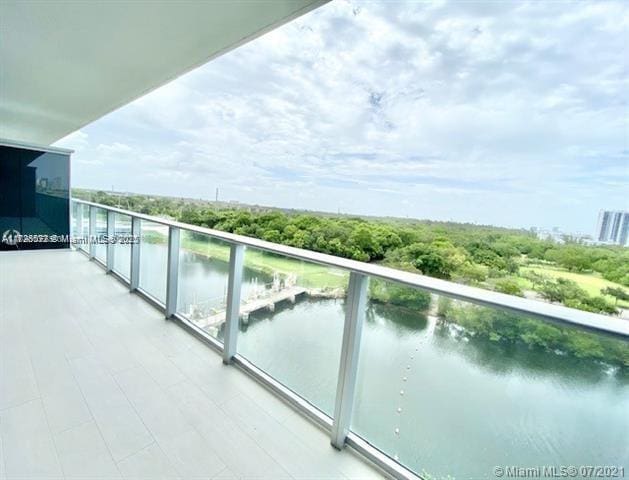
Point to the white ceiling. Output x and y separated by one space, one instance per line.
64 64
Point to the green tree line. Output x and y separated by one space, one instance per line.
467 253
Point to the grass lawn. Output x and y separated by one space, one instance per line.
592 283
309 274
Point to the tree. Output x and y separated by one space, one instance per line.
387 292
434 264
508 286
363 238
571 295
560 290
614 270
617 293
591 304
272 236
574 258
471 272
484 253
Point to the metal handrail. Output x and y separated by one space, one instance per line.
533 308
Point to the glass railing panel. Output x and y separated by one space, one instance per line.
74 212
203 275
292 315
76 226
122 247
153 259
84 227
453 390
101 232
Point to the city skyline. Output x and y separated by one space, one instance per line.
417 110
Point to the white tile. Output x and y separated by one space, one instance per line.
162 417
83 454
219 382
280 443
120 425
112 351
318 442
224 435
17 380
53 374
63 401
156 364
66 410
227 474
3 472
27 445
148 464
191 456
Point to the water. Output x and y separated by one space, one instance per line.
201 280
436 402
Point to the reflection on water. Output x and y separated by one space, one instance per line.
504 358
400 319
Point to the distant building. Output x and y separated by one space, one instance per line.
613 227
557 235
554 235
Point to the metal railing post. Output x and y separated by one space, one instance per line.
172 275
92 232
110 246
232 314
348 369
134 268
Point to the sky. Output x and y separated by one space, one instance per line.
504 113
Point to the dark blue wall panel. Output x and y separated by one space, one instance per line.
34 198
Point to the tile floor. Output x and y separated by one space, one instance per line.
95 384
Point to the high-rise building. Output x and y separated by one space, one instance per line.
623 237
613 227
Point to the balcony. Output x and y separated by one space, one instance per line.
270 353
94 383
194 353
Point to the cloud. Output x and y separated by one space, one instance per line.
435 109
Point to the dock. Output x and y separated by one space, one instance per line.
267 302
